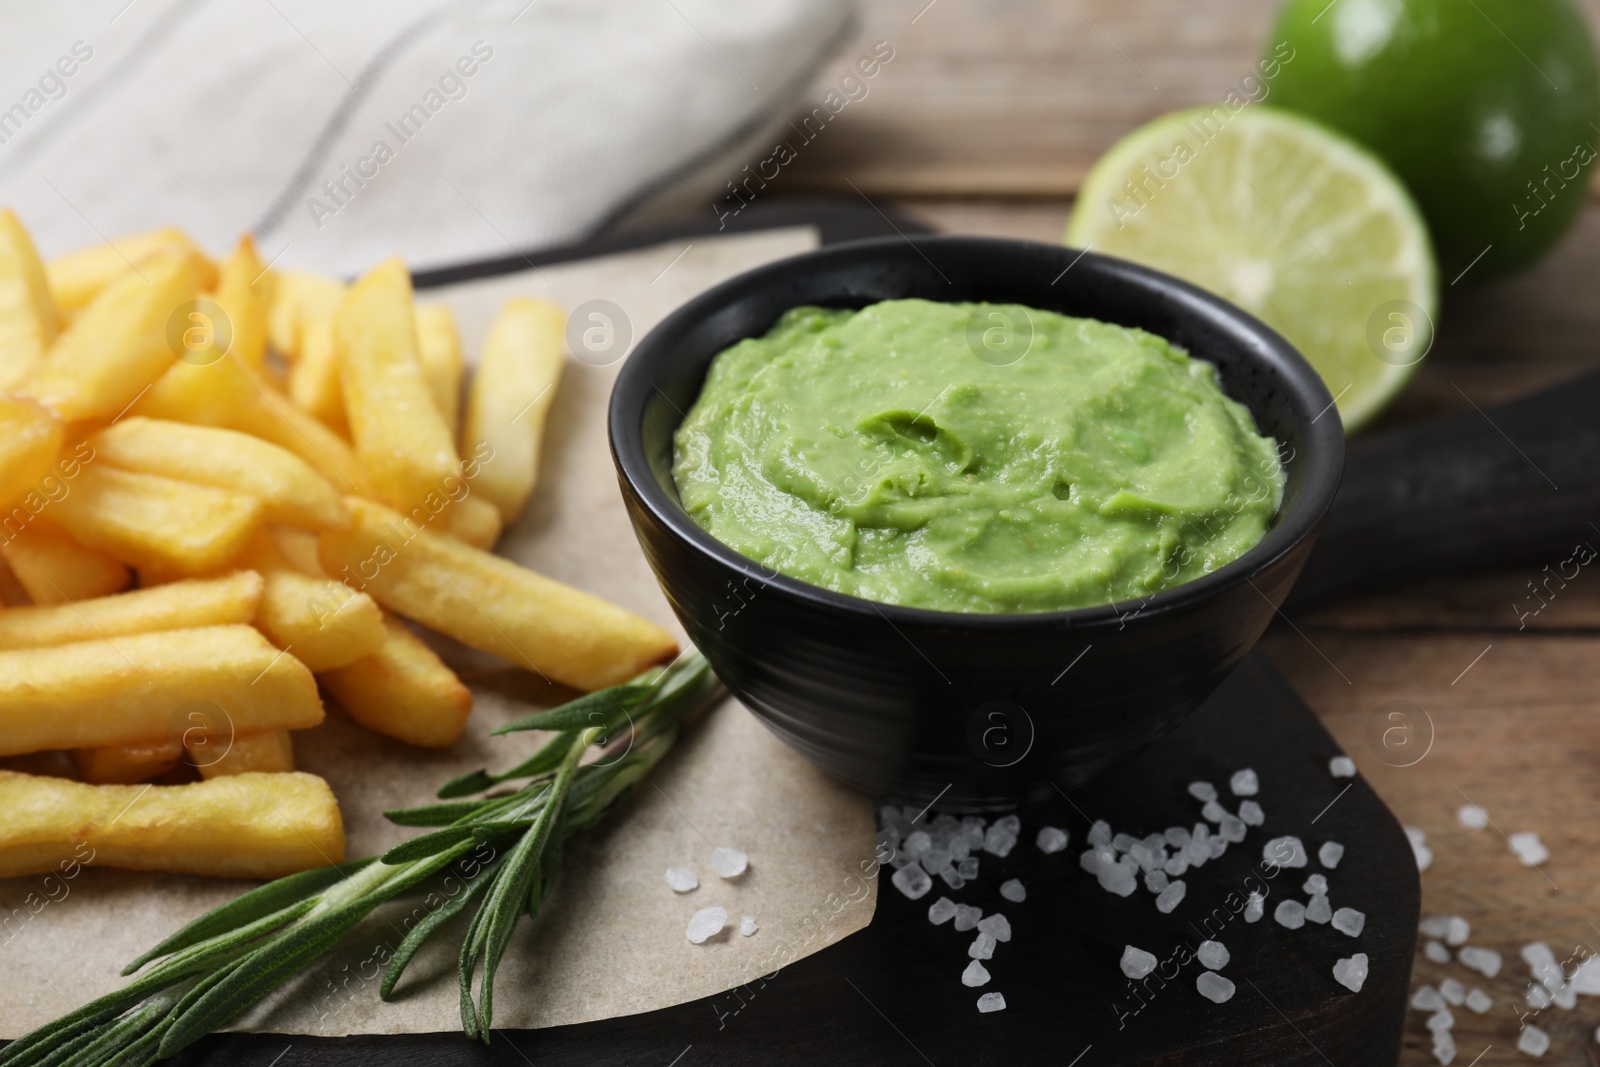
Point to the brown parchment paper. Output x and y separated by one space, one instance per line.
611 940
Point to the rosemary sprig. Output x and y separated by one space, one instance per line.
229 959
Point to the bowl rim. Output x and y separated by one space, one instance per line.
631 389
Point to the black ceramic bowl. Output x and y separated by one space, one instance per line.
983 710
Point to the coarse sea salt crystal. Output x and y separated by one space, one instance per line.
1529 849
1213 954
1319 911
935 860
1434 925
912 881
1349 921
941 911
1351 973
1427 998
975 975
967 917
707 922
1052 839
1233 828
1119 878
1136 963
1213 812
991 1002
1441 1020
1453 992
1478 1001
1013 891
982 947
1457 930
1284 852
1254 908
1176 836
1534 1041
1290 913
1472 817
1244 783
1436 952
1539 997
1203 791
1330 854
1586 979
1317 883
730 862
999 842
682 879
1011 824
1342 767
996 926
915 844
952 878
1420 851
1566 998
1250 813
1214 987
747 926
968 868
1486 961
1171 897
1156 881
1444 1047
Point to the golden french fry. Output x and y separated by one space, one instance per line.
475 521
30 439
182 605
290 491
510 399
156 522
127 764
274 417
240 826
202 394
314 377
439 349
299 298
299 550
403 691
27 315
241 295
326 624
117 348
399 435
491 603
136 688
78 277
268 752
12 595
55 568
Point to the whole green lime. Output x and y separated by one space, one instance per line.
1487 109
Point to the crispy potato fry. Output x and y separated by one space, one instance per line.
211 394
290 491
511 394
403 691
240 826
314 377
491 603
78 277
268 752
274 417
439 349
182 605
28 321
399 435
127 764
299 550
30 439
474 521
299 298
156 522
12 595
132 689
325 623
118 347
55 568
244 299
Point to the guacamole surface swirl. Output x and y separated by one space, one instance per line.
874 453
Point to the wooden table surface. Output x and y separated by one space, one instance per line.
985 121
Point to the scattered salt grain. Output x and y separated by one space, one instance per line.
1011 824
1472 817
1479 1001
1013 891
747 926
1427 998
1156 881
1566 998
1213 954
1349 921
1534 1041
1444 1047
999 842
942 911
967 917
708 922
1342 767
1171 897
1529 849
1214 987
1539 997
991 1002
1317 883
1203 791
1119 878
730 862
1233 828
1052 839
1330 854
996 926
1319 911
1453 992
1419 848
1456 931
682 879
1136 963
1586 979
975 975
1290 913
915 844
1351 973
1441 1020
1254 908
912 881
1434 925
1176 836
982 947
1486 961
1213 812
1100 833
1250 813
1284 852
1244 783
968 868
1436 952
952 877
935 860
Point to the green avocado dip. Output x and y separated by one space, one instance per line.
875 453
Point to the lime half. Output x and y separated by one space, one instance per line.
1296 224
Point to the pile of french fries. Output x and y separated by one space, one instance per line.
222 488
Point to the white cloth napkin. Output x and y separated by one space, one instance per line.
341 133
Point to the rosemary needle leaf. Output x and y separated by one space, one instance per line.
430 923
427 845
603 709
436 814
